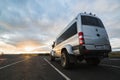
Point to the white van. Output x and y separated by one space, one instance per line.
85 38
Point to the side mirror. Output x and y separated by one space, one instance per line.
53 45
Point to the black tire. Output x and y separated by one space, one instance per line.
65 60
52 58
93 61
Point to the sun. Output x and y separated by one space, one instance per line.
28 48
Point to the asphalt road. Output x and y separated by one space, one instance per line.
21 67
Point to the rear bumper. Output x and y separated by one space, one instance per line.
94 53
83 49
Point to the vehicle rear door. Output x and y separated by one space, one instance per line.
95 35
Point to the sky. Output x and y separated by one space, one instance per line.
32 25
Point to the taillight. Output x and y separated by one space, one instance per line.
81 38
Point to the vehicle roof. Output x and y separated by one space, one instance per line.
89 14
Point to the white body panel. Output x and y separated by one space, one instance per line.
73 41
95 38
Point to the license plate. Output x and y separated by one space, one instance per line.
99 47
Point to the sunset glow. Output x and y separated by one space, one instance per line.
28 48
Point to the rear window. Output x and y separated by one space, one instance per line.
88 20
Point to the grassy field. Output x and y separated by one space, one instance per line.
115 54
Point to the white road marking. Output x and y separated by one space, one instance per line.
11 64
63 75
110 66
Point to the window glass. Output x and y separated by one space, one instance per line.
68 33
88 20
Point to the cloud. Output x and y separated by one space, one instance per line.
115 43
7 48
105 6
42 20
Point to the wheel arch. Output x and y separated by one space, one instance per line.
67 48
